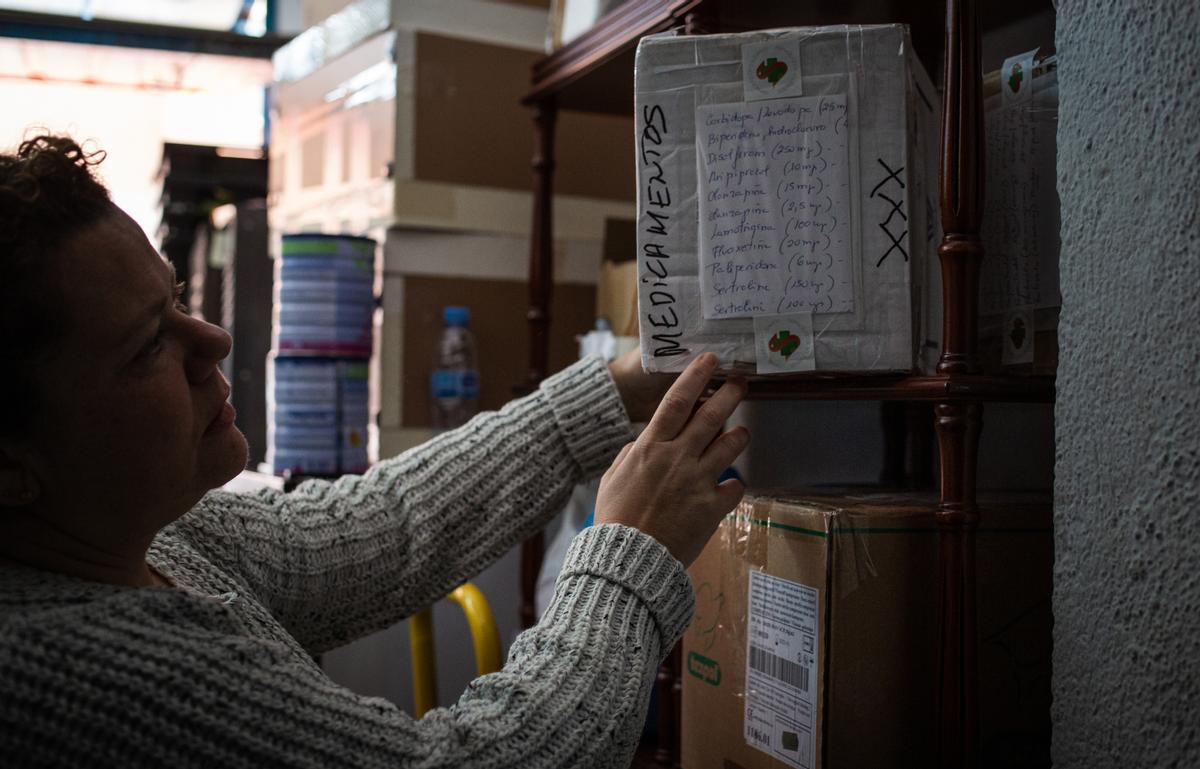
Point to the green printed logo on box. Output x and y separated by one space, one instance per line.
1015 77
708 671
772 70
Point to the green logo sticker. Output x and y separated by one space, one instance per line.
1017 334
772 70
708 671
1014 79
785 343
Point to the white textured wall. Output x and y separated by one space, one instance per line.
1127 491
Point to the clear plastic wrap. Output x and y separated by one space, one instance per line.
816 620
865 252
1019 297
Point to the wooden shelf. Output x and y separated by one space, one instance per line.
902 387
594 72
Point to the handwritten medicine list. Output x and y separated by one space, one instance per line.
774 207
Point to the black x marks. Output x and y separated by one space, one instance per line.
892 176
895 245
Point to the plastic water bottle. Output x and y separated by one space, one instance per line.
454 383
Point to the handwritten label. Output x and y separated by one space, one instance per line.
774 208
890 192
1021 216
659 304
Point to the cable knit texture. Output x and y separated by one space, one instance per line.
217 671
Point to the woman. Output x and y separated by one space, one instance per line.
147 620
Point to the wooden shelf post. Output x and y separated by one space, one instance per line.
582 76
541 285
541 247
958 424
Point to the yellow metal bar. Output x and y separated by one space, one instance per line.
424 662
483 627
484 636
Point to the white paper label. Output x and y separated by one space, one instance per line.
781 669
665 264
1020 226
774 207
1019 332
771 70
784 343
1016 78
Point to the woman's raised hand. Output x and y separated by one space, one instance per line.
665 482
640 391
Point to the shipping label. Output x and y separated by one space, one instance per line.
781 669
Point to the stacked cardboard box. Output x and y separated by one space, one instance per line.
815 635
787 184
409 114
402 121
1019 298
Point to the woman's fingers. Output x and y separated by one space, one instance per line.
722 451
729 493
616 463
676 406
624 452
710 418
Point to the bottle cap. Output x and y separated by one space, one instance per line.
456 316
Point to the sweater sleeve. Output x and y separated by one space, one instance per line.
334 561
164 679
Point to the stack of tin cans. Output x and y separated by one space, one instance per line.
318 387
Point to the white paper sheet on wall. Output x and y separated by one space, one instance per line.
774 201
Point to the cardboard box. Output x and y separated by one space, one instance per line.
1019 287
815 635
616 287
425 271
1019 297
376 122
787 198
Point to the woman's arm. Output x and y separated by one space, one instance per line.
161 678
336 560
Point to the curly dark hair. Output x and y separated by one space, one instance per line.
48 193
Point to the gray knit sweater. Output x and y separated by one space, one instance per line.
217 671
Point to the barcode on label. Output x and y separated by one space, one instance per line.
784 670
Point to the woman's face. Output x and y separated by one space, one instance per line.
132 426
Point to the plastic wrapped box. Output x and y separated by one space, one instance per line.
786 198
814 641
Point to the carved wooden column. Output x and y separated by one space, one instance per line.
541 285
541 241
961 190
958 424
